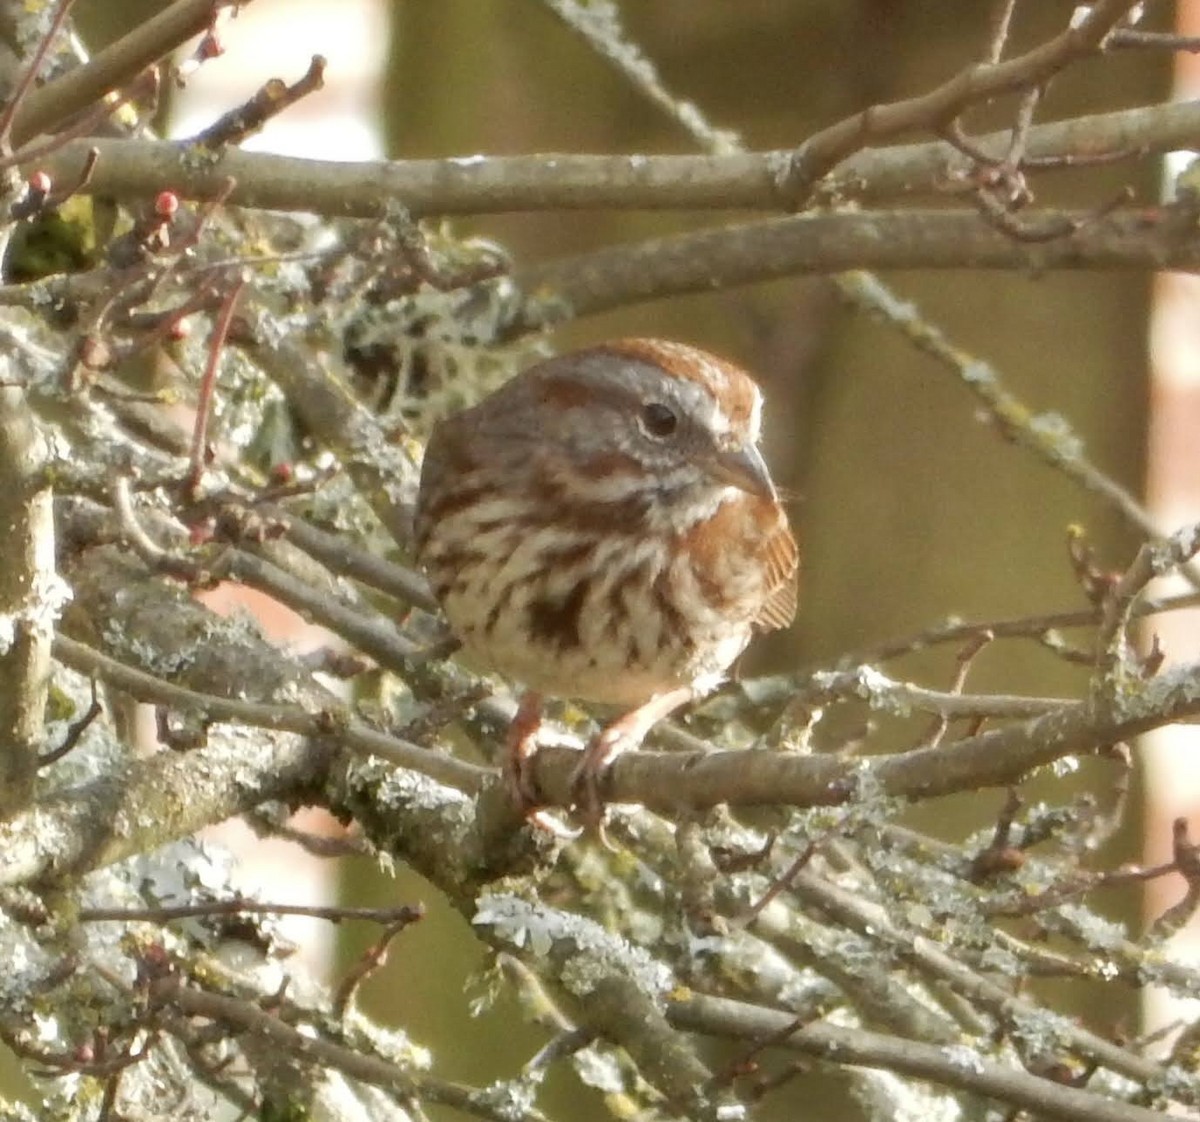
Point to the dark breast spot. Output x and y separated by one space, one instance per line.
618 609
621 614
499 607
453 570
617 517
569 555
674 630
443 502
555 623
460 560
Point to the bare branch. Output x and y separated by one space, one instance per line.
805 245
30 596
115 66
972 86
965 1068
568 181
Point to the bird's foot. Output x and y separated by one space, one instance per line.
588 780
624 734
518 772
519 750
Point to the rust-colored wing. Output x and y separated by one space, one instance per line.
781 557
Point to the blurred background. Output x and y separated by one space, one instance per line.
910 509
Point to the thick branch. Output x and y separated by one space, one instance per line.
727 256
673 782
144 804
964 1068
565 181
28 601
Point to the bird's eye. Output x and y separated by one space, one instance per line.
659 419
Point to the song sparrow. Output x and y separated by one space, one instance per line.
603 528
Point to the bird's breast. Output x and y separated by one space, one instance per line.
579 608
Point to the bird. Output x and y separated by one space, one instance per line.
603 528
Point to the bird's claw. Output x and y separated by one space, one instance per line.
587 782
518 772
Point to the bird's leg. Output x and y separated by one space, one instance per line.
519 750
625 733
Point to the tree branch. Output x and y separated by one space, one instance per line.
143 804
673 782
30 596
965 1068
567 181
115 66
803 245
940 106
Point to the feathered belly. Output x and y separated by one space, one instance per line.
607 620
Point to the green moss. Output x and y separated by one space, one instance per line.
60 241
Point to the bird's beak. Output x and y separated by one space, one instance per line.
745 469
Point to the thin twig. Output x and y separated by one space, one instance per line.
1154 559
972 86
403 914
244 1016
204 406
74 732
285 718
114 66
268 101
779 885
965 660
999 21
1126 38
370 961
